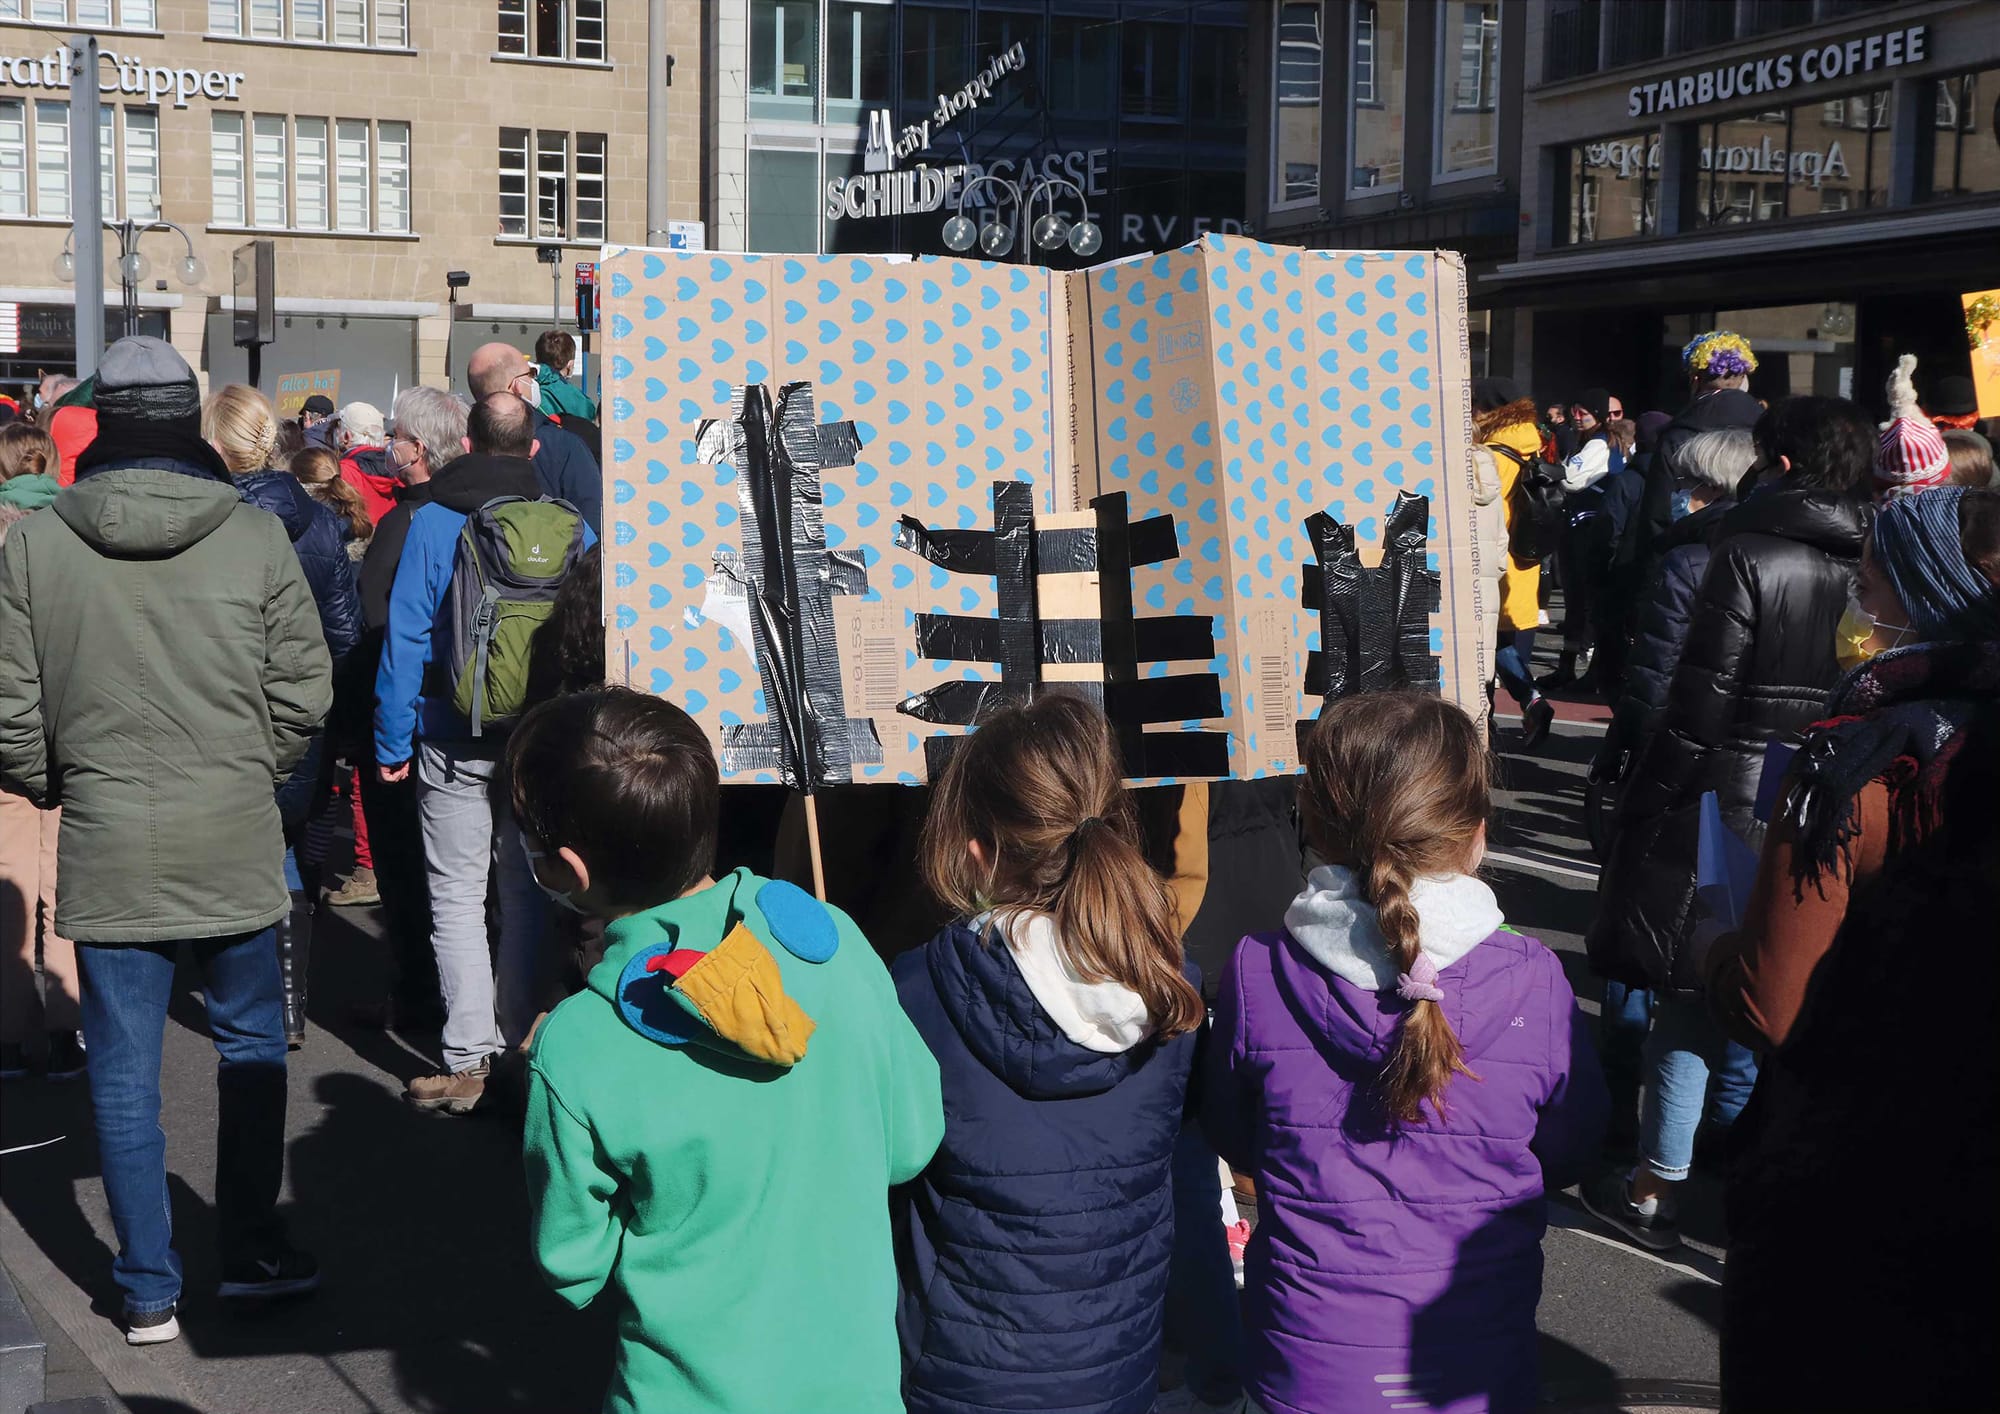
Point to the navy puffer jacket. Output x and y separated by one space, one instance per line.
321 545
1033 1251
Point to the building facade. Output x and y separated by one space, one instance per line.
378 144
863 125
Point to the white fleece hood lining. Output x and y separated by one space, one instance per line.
1333 923
1107 1017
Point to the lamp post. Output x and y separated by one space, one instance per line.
995 239
133 266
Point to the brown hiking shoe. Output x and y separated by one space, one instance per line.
359 891
455 1093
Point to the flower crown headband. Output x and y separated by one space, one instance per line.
1719 354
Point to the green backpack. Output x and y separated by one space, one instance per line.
513 555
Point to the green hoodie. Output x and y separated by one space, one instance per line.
713 1126
562 398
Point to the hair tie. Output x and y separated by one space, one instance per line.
1086 823
1419 984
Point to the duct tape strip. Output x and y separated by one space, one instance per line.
1163 638
1374 624
760 746
1120 644
1185 754
1056 551
960 551
1014 583
938 751
958 704
1185 697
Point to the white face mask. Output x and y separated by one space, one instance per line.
556 896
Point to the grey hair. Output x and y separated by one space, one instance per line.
436 420
1717 460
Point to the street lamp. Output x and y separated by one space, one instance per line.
995 238
133 266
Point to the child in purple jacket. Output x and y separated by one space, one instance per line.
1406 1078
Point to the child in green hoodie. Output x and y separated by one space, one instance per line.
715 1121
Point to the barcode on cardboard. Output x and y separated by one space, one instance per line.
881 673
1274 702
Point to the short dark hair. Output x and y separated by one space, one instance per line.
500 425
626 780
555 348
1829 441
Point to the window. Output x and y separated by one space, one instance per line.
783 209
1965 148
1217 93
14 146
857 59
1468 89
34 160
142 163
1079 72
1613 189
308 21
1824 157
51 158
784 55
308 173
1703 26
1153 84
1375 95
1572 39
551 29
89 14
1297 74
1636 30
561 196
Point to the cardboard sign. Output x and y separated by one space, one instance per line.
295 388
1211 445
1982 333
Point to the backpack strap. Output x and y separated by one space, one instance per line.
1502 449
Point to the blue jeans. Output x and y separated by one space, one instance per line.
1517 650
125 994
1203 1317
1683 1051
1622 1023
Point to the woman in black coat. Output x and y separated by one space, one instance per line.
1757 665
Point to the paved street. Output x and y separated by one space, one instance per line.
430 1301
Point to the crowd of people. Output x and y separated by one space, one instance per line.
817 1170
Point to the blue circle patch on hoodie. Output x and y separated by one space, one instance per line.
647 1002
798 921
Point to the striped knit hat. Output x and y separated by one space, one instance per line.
1911 456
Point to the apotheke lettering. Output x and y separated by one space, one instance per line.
1815 63
134 76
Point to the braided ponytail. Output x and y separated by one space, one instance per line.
1396 788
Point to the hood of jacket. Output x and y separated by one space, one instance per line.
29 492
376 464
470 481
1725 407
147 512
1825 520
280 493
1519 413
997 1011
705 970
1336 928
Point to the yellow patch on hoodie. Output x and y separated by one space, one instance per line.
737 990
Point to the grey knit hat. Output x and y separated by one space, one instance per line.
146 379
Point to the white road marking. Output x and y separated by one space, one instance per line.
1560 726
1569 1220
1542 864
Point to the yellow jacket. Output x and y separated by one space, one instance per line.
1513 427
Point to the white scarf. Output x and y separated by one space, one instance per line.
1332 922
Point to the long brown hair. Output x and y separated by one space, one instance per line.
1397 787
26 450
318 470
1039 789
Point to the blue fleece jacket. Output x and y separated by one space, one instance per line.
423 574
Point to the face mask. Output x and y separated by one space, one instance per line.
1682 504
1852 637
556 896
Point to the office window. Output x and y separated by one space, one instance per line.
267 19
542 196
1468 88
783 207
14 148
310 170
350 174
138 14
392 177
1079 71
1297 77
142 163
1217 92
857 58
107 161
307 21
1573 27
589 46
1636 30
1375 95
1965 149
93 14
226 201
392 24
784 59
1613 189
87 14
51 158
34 160
553 29
225 16
1153 85
350 21
268 204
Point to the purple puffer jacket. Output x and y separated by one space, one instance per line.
1397 1271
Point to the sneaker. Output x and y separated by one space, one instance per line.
358 891
1536 719
453 1093
286 1272
1649 1224
1541 618
153 1328
66 1058
1239 1238
13 1060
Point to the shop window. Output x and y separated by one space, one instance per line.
1298 71
1573 33
1612 189
857 58
34 160
1965 148
88 14
1154 85
1375 96
784 59
552 184
783 206
1216 93
549 29
309 22
1816 158
1079 70
1468 89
